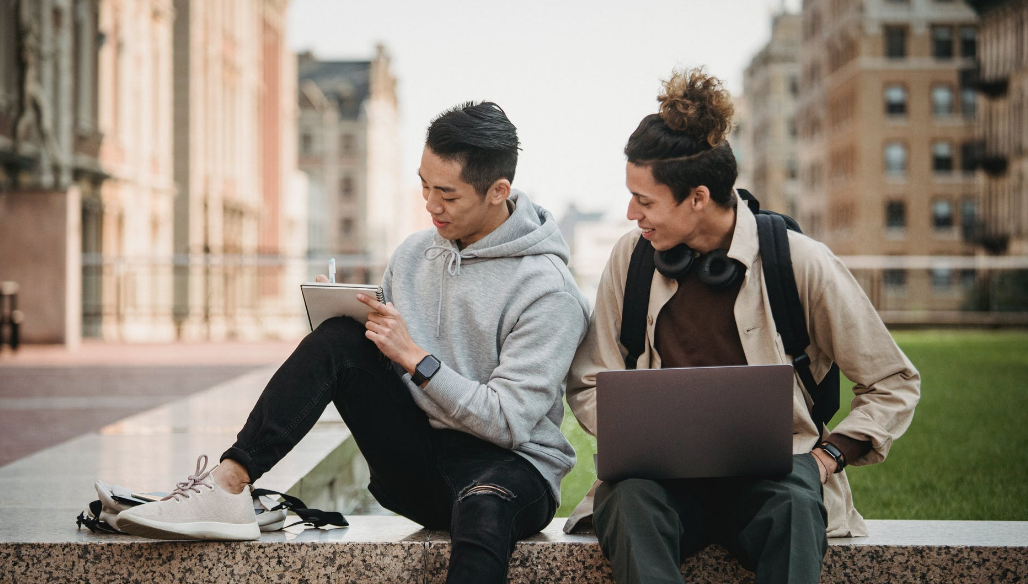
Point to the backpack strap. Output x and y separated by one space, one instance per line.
314 517
788 314
637 301
751 201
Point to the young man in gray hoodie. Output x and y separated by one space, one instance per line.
452 390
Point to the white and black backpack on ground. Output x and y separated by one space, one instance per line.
786 309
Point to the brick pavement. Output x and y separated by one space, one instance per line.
49 395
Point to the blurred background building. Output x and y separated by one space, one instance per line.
886 134
127 225
771 83
234 125
350 149
50 138
149 188
1002 82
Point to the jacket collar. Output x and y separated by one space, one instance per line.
745 246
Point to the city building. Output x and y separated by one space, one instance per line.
233 128
741 139
127 225
350 150
1002 82
50 141
886 141
771 85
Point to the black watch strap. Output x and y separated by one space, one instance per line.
426 369
835 453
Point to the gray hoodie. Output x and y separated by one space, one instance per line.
505 317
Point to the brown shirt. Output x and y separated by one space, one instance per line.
696 328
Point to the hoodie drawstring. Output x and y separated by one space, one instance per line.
451 265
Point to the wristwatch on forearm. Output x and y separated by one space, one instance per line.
835 453
425 369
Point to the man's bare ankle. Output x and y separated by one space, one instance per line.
231 476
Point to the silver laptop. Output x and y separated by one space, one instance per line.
694 422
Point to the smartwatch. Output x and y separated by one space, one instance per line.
426 368
835 453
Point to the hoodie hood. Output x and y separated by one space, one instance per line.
530 230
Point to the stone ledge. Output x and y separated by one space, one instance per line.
392 549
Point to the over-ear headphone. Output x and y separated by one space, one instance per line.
717 270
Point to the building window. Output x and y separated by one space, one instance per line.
942 100
942 278
306 143
942 215
968 157
895 158
968 213
894 279
792 169
968 101
346 188
967 278
942 42
794 86
346 226
968 42
895 215
895 100
347 144
895 42
942 157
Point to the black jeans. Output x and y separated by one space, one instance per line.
488 497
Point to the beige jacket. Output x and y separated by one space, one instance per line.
843 326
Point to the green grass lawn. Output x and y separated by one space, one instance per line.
964 457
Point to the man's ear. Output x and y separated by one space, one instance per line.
699 198
498 192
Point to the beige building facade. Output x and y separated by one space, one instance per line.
886 140
127 228
49 157
350 149
232 76
771 86
1002 81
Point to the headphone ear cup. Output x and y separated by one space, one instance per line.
675 262
717 270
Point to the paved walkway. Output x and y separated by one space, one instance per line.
49 395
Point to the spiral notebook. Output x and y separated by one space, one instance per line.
325 301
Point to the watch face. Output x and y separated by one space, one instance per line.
428 366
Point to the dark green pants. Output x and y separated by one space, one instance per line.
775 527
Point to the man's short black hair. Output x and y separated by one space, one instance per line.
481 138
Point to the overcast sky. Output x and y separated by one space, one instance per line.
575 77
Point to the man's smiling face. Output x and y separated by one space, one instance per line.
459 213
665 222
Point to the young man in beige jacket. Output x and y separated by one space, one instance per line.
681 173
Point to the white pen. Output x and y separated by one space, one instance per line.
332 270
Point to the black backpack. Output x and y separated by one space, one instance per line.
786 310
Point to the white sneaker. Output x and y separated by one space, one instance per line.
197 509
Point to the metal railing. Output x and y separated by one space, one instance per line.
146 298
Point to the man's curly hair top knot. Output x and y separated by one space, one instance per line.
696 104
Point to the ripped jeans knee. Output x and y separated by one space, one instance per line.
485 489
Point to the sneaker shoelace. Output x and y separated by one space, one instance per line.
194 481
